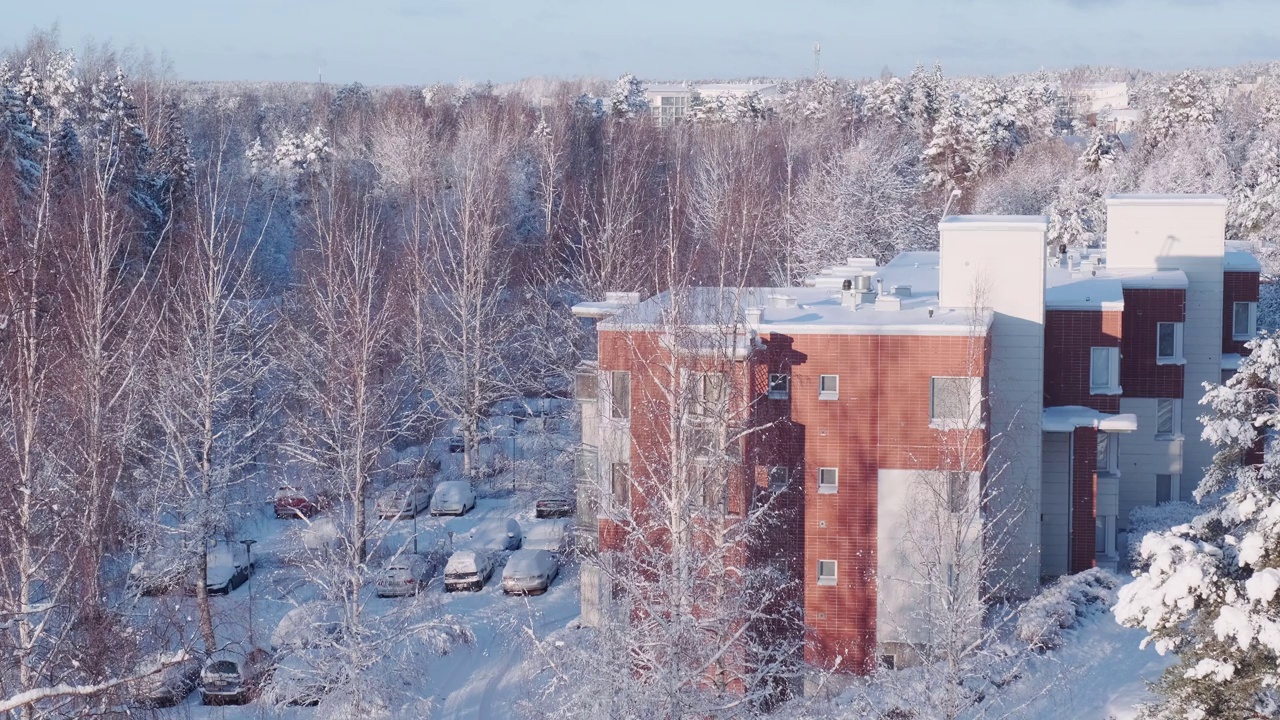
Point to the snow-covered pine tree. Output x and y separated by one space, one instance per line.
1255 204
886 101
924 100
171 164
1207 590
952 157
1101 153
21 143
627 99
1000 134
1186 102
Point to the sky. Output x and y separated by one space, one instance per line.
420 42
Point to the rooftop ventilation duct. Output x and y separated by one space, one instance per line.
782 301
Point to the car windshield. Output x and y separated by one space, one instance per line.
223 667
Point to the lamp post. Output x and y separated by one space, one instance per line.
414 501
248 549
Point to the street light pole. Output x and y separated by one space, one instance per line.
415 526
248 548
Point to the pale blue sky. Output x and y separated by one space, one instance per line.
426 41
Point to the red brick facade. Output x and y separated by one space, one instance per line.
1140 375
1068 337
1236 287
1084 498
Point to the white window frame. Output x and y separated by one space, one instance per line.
783 392
828 394
831 578
832 487
1109 465
1176 358
1252 320
975 405
1104 535
1113 371
700 404
1176 420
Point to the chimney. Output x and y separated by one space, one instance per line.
754 314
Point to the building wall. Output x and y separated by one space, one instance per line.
1143 456
1236 287
1140 374
1084 498
1184 232
999 263
880 420
1054 503
1068 337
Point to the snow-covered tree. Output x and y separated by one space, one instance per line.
1255 204
1101 152
886 101
1207 590
628 99
1186 103
925 94
953 156
865 203
1191 160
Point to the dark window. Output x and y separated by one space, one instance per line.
1166 340
958 491
620 479
1164 488
779 386
620 389
779 476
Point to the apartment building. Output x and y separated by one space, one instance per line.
1055 389
671 102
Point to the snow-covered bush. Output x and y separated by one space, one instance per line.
1146 519
1063 604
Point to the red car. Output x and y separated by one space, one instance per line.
291 501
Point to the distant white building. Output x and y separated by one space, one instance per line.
1095 97
670 102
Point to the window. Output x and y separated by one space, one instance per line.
1104 371
1100 534
1168 343
620 482
1168 418
702 440
711 486
826 572
1244 320
779 476
779 386
828 387
828 480
1108 453
887 662
957 491
584 466
1164 488
954 401
620 392
585 384
709 393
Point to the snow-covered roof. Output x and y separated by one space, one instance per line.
1066 418
1240 258
1165 199
912 309
1094 285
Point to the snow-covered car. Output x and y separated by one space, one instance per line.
233 675
405 574
229 567
554 536
495 535
453 497
319 535
292 501
467 570
308 624
405 499
177 676
553 506
160 573
529 572
301 676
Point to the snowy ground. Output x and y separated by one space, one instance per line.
479 680
1098 673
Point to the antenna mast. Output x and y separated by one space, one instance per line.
817 59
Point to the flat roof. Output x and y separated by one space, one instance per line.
1165 199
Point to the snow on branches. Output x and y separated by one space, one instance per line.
1208 589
